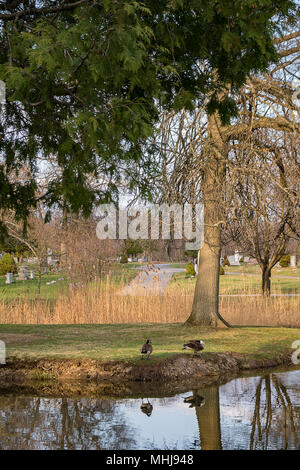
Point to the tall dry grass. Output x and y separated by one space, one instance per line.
104 302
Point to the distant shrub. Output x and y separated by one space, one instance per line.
123 259
226 261
285 261
191 253
190 270
7 264
242 260
222 272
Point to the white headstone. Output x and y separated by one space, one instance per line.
237 256
293 261
9 278
2 352
23 274
196 268
31 275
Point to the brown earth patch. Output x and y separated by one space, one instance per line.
18 338
115 375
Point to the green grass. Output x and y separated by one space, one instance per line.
251 269
178 265
255 269
28 290
122 342
234 284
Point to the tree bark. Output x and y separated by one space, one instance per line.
266 281
206 297
208 417
205 310
39 280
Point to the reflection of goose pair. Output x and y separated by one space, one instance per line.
195 345
193 401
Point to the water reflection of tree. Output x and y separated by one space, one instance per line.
33 423
208 417
273 413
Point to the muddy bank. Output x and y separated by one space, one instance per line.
63 376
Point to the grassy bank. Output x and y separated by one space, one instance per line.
123 342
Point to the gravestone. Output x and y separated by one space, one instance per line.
196 268
2 353
31 276
293 261
23 274
9 278
237 257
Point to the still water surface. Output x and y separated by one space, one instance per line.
260 412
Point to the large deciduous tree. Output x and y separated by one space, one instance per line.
84 80
209 161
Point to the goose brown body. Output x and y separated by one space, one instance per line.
147 349
195 345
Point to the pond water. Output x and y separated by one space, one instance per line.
259 412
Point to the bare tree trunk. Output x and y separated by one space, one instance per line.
39 279
266 281
63 246
208 417
206 297
205 310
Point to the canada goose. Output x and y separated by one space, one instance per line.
146 408
146 349
195 345
194 401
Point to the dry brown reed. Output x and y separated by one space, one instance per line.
104 302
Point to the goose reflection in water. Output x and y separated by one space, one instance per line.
146 408
194 400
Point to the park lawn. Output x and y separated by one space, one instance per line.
251 269
240 284
255 269
27 290
178 265
123 341
123 273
